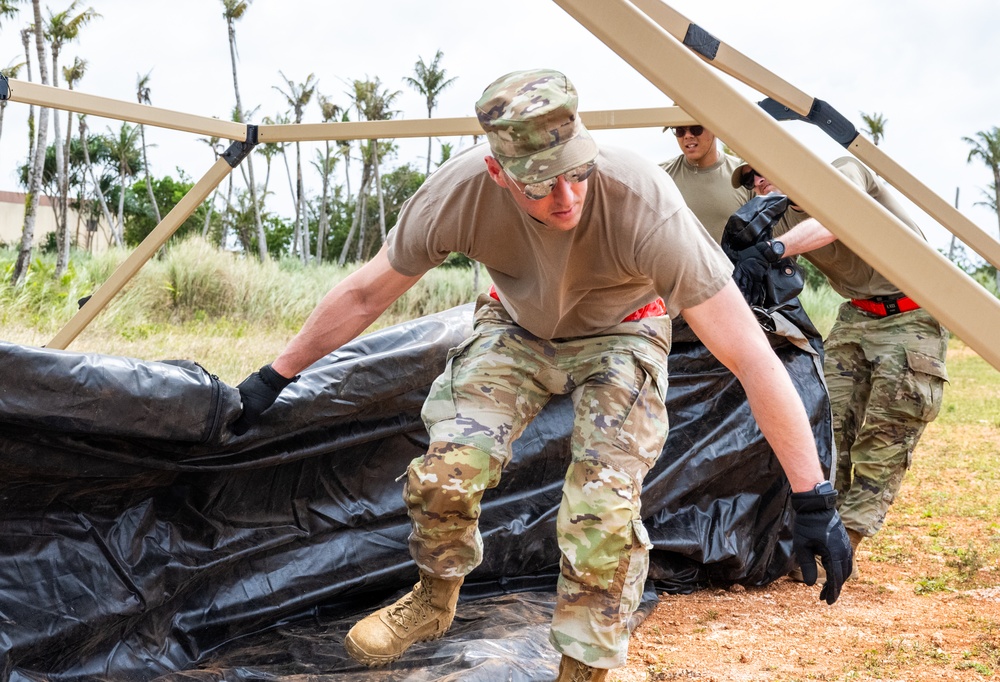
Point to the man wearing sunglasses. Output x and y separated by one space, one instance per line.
884 357
587 249
701 172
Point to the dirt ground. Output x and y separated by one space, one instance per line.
880 629
897 621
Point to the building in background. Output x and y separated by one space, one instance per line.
88 234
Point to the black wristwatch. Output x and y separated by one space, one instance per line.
822 496
775 251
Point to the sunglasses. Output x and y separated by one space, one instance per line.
750 178
540 190
681 131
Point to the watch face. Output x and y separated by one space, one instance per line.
778 248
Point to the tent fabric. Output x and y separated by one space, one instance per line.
141 540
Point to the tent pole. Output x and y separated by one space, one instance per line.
142 253
803 107
869 230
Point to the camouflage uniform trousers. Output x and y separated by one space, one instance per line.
494 384
886 378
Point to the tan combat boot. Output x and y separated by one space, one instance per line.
572 670
422 615
855 537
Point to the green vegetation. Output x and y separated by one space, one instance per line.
228 312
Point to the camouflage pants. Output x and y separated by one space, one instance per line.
886 377
493 386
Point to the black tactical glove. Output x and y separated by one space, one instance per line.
764 251
258 392
750 276
819 531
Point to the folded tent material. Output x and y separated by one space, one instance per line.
140 538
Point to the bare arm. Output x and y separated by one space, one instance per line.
346 311
806 236
728 329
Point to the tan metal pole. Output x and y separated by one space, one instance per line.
753 74
80 102
864 226
469 125
957 223
184 208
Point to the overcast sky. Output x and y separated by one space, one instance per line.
929 68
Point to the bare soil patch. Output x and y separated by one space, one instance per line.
926 605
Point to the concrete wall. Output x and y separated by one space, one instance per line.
12 224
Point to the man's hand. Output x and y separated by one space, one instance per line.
819 531
750 275
258 392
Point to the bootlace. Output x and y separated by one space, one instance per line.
411 611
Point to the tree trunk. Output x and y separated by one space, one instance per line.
300 213
60 202
378 191
93 176
149 183
358 209
261 237
25 40
64 187
323 223
34 187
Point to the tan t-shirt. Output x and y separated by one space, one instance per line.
709 191
636 239
850 276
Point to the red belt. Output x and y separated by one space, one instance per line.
883 306
655 309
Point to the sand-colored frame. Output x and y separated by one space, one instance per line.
649 35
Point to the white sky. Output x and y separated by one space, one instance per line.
928 67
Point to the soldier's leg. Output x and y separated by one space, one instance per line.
907 354
619 430
847 373
474 411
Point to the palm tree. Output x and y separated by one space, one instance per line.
986 147
71 74
142 93
298 97
88 163
10 72
8 9
372 104
325 163
875 126
128 158
233 11
429 82
214 143
38 162
26 34
62 28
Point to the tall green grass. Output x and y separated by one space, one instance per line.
821 304
196 302
228 312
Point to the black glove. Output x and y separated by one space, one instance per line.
819 531
258 392
761 251
750 276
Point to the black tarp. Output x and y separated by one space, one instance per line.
141 540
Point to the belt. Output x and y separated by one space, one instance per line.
883 306
655 309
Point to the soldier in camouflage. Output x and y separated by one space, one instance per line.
590 252
884 357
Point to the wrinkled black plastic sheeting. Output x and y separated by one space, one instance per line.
494 638
128 557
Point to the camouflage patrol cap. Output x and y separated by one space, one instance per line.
532 126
